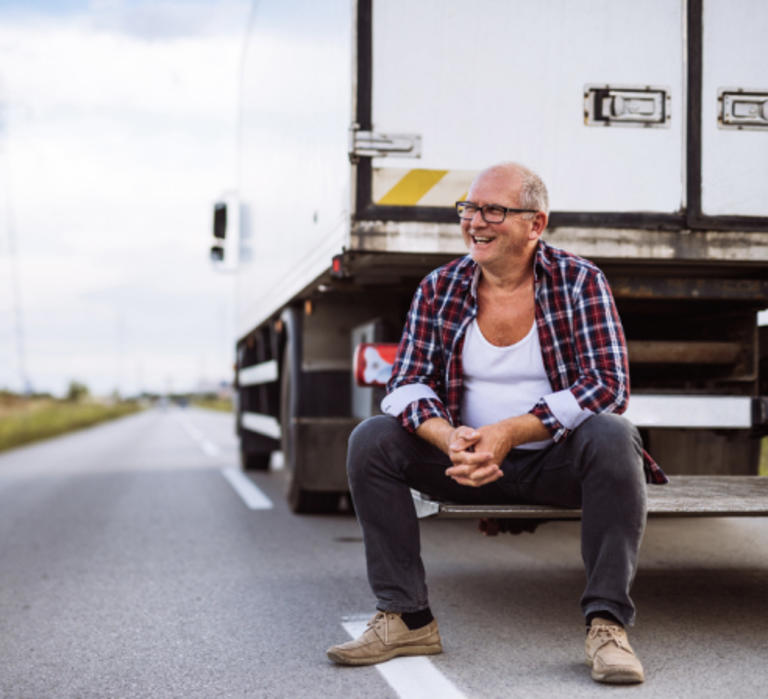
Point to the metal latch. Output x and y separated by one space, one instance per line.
742 109
378 145
606 105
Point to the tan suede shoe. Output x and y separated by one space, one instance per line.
610 655
387 636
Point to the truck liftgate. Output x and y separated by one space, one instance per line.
683 496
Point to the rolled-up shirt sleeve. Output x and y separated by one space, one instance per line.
414 388
601 381
396 402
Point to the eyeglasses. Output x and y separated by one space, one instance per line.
491 213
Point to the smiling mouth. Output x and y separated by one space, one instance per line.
481 239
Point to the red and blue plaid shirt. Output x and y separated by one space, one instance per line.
582 344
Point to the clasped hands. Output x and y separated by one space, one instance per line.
476 454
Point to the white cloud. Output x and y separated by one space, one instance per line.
117 141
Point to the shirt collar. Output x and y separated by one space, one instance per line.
542 260
475 280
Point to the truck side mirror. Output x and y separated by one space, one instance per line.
219 221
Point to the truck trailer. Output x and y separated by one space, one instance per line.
362 122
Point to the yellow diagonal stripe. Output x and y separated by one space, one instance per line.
412 187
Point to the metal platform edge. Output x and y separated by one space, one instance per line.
683 496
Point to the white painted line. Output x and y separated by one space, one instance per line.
412 677
206 445
210 448
246 489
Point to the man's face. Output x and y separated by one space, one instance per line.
494 245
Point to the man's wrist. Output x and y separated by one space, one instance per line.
438 432
523 428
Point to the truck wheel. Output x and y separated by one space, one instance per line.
254 460
300 500
311 501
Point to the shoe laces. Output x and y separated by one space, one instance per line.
376 619
379 624
604 634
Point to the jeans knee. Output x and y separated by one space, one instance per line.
613 444
610 429
366 439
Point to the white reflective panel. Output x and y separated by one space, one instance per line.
263 424
488 81
258 373
734 162
726 412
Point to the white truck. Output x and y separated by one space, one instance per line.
362 122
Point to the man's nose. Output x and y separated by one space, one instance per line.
477 219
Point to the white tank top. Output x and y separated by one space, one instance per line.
502 382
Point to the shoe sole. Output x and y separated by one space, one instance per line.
383 657
616 676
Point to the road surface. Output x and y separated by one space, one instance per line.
135 563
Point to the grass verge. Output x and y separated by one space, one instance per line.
763 471
30 421
223 405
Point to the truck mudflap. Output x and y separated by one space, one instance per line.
683 496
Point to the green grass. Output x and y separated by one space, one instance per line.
763 471
24 421
222 404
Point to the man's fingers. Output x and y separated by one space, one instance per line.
484 472
475 483
463 437
473 471
472 474
470 458
467 433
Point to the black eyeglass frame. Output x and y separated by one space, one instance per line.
482 209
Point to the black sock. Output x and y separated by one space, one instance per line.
415 620
603 615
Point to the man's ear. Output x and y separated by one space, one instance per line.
538 224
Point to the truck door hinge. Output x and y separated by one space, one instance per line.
607 105
379 145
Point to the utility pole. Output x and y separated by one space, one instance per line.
13 259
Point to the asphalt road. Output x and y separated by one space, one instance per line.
131 567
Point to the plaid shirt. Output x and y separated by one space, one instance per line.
582 344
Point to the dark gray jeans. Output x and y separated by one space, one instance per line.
599 468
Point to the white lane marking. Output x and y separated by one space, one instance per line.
243 486
205 444
210 448
246 489
412 677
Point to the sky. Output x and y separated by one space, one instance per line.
117 135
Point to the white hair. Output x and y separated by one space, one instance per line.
533 191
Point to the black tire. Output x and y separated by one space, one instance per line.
311 502
300 500
254 460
